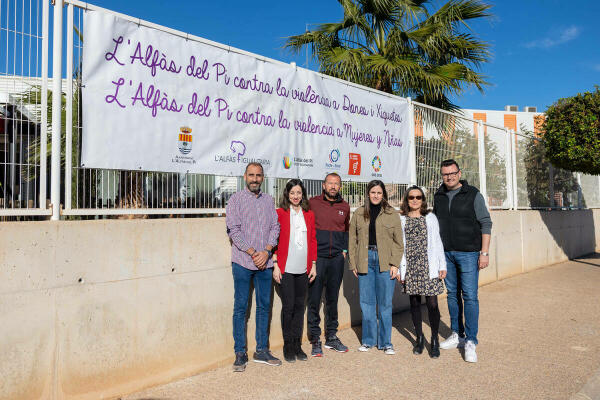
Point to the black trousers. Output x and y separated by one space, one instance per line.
330 272
293 294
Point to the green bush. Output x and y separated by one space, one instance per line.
572 133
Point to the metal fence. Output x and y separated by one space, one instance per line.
23 120
509 168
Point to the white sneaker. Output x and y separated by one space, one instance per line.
389 351
452 342
470 354
364 347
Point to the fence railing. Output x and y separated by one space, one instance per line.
508 167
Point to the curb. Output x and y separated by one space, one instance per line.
591 390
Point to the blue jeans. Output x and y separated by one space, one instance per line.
376 291
262 288
462 281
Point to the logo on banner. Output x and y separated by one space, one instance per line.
354 164
238 147
185 140
287 161
376 165
334 155
184 144
237 155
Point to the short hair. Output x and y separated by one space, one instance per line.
332 174
404 208
254 164
448 163
285 197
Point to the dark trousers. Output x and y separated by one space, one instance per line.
293 294
330 272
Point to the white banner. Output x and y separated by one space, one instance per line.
154 101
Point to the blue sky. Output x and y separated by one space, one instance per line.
542 49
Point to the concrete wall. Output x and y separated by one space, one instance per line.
95 309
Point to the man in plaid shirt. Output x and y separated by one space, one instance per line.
253 229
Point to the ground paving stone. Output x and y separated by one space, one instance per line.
539 339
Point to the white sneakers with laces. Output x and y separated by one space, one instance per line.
452 342
364 348
470 354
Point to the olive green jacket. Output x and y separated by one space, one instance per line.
390 243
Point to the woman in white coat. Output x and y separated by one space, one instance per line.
423 265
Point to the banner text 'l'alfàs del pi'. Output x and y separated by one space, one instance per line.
154 101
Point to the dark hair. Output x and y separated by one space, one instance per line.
384 202
448 163
404 208
255 164
333 174
285 197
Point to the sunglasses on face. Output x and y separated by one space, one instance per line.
415 197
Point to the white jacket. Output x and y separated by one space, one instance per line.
435 247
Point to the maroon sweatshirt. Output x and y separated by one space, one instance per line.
332 220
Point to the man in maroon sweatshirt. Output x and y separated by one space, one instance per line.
332 219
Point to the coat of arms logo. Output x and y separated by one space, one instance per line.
185 140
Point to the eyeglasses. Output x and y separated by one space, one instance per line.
450 174
415 197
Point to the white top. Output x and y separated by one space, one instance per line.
297 247
435 248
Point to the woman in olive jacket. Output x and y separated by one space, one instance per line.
375 251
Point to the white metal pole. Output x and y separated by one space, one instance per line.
56 109
551 186
513 148
44 116
413 142
481 151
598 202
69 111
579 192
508 167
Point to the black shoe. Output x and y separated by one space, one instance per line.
336 344
419 345
317 351
241 359
435 347
266 357
289 351
300 355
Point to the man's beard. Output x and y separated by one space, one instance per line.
330 196
257 190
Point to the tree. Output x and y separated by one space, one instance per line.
543 185
572 133
399 47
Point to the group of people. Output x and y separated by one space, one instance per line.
305 244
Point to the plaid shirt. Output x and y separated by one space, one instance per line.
251 222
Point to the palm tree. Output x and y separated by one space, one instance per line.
398 46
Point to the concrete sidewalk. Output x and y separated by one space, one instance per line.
539 339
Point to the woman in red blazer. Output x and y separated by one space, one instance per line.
294 264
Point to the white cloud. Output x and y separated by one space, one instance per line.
564 36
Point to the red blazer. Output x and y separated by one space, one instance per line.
284 238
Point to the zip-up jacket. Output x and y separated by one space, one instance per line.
332 220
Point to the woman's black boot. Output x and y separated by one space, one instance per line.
420 345
300 355
289 353
435 346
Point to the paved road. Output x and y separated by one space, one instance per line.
539 339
